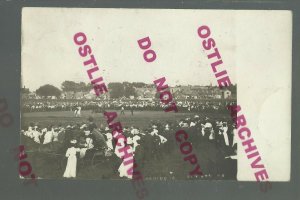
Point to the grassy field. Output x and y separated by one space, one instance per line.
140 119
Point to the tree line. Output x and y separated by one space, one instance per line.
116 89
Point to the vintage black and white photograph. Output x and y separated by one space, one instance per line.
63 123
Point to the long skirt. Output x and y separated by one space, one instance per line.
70 171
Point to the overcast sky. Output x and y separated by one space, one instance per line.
49 55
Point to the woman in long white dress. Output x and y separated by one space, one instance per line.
48 136
109 141
70 171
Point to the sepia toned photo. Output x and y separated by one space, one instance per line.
105 92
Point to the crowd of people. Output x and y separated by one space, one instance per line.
138 105
214 140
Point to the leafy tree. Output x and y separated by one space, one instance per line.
48 90
88 87
116 90
129 91
139 84
81 87
126 84
69 86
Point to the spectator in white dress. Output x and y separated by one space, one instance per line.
55 135
36 135
70 171
109 141
48 136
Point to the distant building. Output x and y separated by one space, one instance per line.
90 95
67 95
32 95
145 93
197 92
175 89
